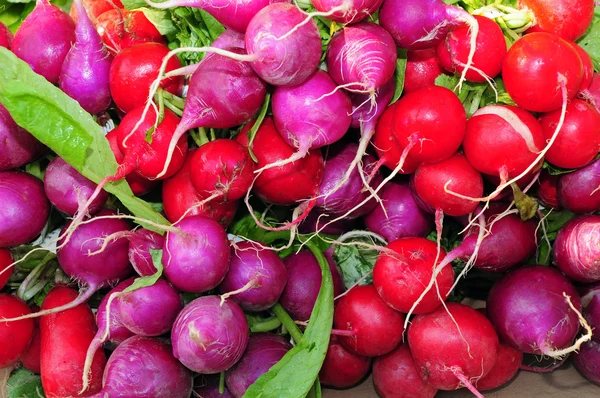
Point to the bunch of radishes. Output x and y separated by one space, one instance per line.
268 112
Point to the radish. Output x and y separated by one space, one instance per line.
264 350
588 67
343 368
373 327
590 300
48 28
6 36
15 336
85 72
95 8
208 386
400 281
256 277
578 141
320 222
196 255
145 367
120 29
117 332
453 347
506 367
25 208
547 191
578 191
141 242
568 20
592 93
31 357
66 188
587 361
210 336
422 68
576 251
352 11
395 376
6 267
537 310
17 146
533 80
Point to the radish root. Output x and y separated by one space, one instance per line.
582 339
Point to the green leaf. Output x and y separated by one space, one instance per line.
247 228
161 19
133 4
355 262
60 123
399 74
33 260
23 383
259 119
591 40
556 171
145 281
295 374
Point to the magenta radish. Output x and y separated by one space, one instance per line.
317 221
578 191
25 208
590 300
401 280
576 251
395 376
85 71
264 350
210 336
141 242
196 256
117 332
536 309
229 39
533 80
17 146
347 11
6 36
592 93
207 386
256 277
48 28
587 361
578 141
66 188
453 347
342 368
422 68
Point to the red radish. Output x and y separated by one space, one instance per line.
578 141
592 93
96 8
395 376
31 357
587 361
48 28
588 67
181 198
23 195
121 29
401 280
6 267
569 20
517 140
506 367
141 242
65 337
453 347
453 51
532 80
6 36
342 368
374 327
15 336
547 191
576 251
134 69
422 68
222 169
578 191
347 11
17 146
432 182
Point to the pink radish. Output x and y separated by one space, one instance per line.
352 11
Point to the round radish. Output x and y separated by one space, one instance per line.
569 20
547 191
351 11
342 368
141 242
207 386
422 68
588 67
578 191
15 336
121 29
576 250
17 146
6 269
587 361
387 147
590 300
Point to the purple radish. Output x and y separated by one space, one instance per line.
24 209
144 367
84 73
537 310
264 350
354 10
404 216
303 284
230 39
66 188
316 220
44 39
17 146
207 386
210 335
576 248
141 242
256 277
350 193
590 300
587 361
117 333
579 191
196 258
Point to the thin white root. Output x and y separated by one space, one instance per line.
345 6
474 30
249 285
583 339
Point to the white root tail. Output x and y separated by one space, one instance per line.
583 339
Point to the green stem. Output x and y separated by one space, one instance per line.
288 322
267 325
174 100
203 138
213 134
173 108
222 382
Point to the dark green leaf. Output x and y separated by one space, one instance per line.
247 228
591 40
355 262
145 281
556 171
23 383
33 260
399 74
259 119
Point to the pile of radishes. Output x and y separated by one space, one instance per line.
309 204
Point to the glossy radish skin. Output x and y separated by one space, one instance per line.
117 332
209 337
422 68
141 242
120 29
506 367
576 251
401 280
529 311
6 36
404 216
261 270
17 146
532 79
515 144
362 56
547 191
96 7
31 357
366 113
357 10
6 260
196 260
587 361
590 300
343 368
264 350
15 336
454 174
578 141
377 328
25 208
440 352
577 191
453 51
66 188
588 66
44 39
395 376
567 20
